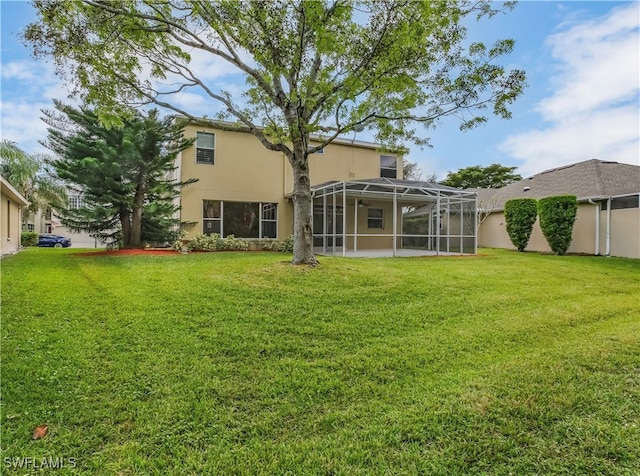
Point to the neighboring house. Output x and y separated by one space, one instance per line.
11 205
46 221
608 218
244 190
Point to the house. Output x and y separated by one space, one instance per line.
46 221
11 206
608 217
359 196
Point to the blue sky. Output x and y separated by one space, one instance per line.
583 99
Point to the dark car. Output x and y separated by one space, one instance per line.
56 241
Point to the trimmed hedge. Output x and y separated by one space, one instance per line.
215 242
557 216
29 238
520 214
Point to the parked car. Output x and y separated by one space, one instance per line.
56 241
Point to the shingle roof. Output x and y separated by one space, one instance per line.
589 179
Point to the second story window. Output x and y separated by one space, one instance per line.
205 148
75 202
388 166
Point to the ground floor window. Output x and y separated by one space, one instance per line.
375 218
241 219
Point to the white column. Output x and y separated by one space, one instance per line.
333 232
355 225
324 222
395 219
438 224
344 219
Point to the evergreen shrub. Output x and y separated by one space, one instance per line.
557 216
520 215
29 238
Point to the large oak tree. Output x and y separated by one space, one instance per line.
326 67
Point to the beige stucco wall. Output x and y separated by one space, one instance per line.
10 214
244 170
625 232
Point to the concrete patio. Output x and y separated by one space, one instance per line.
388 253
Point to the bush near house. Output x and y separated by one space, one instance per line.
557 216
29 238
214 242
520 214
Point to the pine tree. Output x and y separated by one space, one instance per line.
124 175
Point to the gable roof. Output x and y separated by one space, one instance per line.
595 179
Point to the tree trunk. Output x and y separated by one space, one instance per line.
136 211
136 227
302 213
125 223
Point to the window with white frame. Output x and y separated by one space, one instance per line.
240 219
388 166
269 224
205 148
75 202
211 216
375 218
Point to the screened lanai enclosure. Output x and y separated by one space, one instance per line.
392 217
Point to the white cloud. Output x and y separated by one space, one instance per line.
28 87
610 134
20 70
593 112
21 124
209 67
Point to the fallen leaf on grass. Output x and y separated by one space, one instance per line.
40 431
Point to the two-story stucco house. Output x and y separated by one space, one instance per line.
244 190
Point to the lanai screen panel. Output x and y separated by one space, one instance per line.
426 216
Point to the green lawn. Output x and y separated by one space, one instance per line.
232 363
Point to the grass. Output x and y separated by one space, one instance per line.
238 363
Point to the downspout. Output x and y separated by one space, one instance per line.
607 251
597 226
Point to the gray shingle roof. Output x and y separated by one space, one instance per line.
589 179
